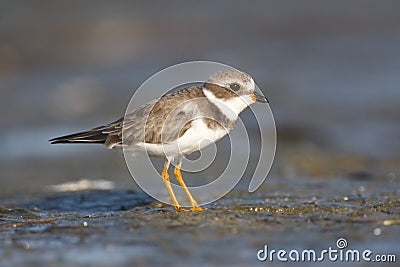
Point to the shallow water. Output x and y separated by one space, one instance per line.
120 227
330 72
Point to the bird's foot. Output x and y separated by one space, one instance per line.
196 208
178 208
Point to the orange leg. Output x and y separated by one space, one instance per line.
165 177
178 175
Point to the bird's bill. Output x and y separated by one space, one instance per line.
259 98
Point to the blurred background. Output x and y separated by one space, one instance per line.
330 70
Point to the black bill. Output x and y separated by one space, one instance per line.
259 98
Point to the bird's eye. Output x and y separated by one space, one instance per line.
235 86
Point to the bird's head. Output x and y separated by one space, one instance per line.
232 89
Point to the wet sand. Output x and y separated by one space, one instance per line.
329 70
126 227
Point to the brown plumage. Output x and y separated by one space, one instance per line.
178 121
147 120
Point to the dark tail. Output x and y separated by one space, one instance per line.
94 136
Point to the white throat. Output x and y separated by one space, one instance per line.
230 108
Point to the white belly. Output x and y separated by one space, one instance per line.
195 138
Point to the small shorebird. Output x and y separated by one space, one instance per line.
178 122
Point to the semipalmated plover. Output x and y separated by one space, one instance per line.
177 123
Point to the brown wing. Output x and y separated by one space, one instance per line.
164 119
160 120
